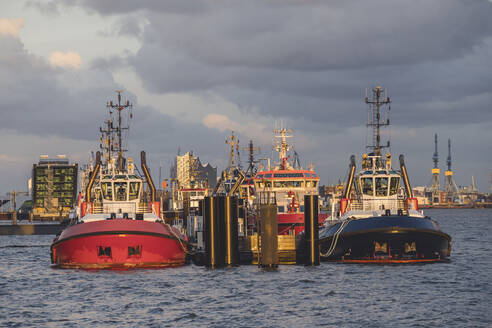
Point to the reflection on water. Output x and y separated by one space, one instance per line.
454 294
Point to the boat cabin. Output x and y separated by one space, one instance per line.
289 186
378 185
119 193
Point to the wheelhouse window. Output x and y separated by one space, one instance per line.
264 184
280 184
395 182
134 190
107 190
287 184
98 194
382 186
366 186
120 191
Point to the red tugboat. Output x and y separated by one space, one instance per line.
118 226
289 182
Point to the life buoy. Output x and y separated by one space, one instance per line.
293 204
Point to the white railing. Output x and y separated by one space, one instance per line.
376 205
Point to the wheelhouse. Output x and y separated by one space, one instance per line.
289 186
286 180
380 183
120 188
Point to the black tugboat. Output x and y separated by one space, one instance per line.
379 221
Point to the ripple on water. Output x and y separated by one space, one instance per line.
454 294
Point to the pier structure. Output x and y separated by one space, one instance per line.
225 245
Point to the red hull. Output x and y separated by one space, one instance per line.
287 221
118 243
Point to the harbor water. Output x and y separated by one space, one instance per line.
453 294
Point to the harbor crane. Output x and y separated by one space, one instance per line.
436 187
13 203
451 188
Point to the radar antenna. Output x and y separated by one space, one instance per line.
375 119
120 107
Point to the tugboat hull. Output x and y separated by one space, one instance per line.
118 243
295 221
388 239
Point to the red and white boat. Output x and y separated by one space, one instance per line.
289 182
119 225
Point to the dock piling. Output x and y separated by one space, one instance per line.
269 233
213 256
231 231
311 233
221 234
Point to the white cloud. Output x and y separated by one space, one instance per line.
11 26
219 122
69 59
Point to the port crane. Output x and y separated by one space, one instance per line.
436 187
451 188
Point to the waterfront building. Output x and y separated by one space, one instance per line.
54 186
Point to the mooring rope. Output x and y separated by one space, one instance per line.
334 239
185 249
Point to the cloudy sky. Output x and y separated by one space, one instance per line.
196 69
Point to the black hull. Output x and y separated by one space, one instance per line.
386 239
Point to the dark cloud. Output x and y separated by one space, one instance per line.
50 8
309 62
127 6
34 99
281 56
313 35
319 57
42 103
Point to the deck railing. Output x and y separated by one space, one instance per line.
377 205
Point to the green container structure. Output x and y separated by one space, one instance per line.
54 187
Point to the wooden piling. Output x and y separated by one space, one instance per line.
269 233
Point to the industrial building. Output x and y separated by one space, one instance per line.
54 186
190 181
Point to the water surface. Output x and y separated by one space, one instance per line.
454 294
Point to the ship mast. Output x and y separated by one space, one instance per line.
251 149
282 146
107 138
119 107
232 141
375 120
